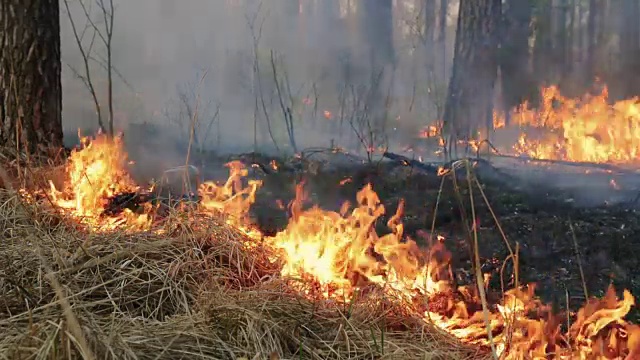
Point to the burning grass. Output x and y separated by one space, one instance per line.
198 293
86 276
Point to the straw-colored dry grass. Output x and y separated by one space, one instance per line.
196 293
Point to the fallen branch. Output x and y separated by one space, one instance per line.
583 164
405 161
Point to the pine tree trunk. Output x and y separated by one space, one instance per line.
630 48
429 24
562 15
377 28
590 63
31 98
517 81
442 37
543 65
474 69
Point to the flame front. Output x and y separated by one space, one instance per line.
336 254
586 129
342 251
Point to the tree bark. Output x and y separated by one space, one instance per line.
31 97
562 15
474 69
630 48
590 63
543 65
517 81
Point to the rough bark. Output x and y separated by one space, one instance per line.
474 68
31 97
517 82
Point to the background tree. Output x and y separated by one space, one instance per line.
31 98
469 96
630 47
517 82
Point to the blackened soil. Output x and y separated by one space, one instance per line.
561 245
556 240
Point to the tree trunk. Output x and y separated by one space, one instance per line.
562 15
429 24
571 35
543 66
377 27
590 63
376 20
442 37
517 82
630 48
474 69
31 98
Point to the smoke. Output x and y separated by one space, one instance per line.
214 61
173 60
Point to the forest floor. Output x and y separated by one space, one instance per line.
572 240
197 290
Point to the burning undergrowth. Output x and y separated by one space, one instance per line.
206 283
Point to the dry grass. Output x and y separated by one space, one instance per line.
195 293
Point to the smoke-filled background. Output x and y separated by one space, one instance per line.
283 75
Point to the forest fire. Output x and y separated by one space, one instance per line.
586 129
336 255
97 173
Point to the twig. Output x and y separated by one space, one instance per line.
575 247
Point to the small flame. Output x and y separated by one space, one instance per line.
96 173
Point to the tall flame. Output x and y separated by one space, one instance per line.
586 129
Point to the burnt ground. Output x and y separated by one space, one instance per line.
542 216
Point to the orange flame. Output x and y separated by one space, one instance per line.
336 254
584 129
96 173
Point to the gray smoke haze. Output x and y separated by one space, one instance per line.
173 57
163 48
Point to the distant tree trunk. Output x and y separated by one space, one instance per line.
429 24
543 66
590 63
442 36
429 34
376 19
31 97
474 68
517 82
562 37
630 48
571 35
377 28
580 33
